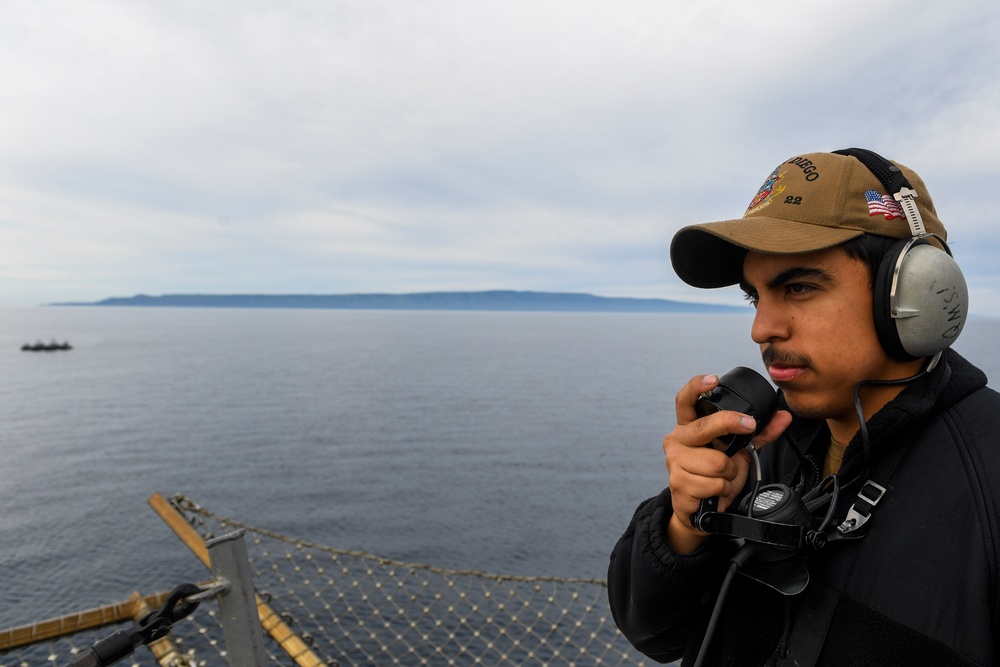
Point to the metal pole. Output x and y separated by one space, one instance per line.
237 605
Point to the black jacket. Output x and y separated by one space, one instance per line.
920 588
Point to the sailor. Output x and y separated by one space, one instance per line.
889 435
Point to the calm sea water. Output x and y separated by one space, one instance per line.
509 442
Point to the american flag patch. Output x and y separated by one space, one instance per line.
883 205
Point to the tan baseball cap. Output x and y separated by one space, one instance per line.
809 202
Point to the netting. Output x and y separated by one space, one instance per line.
354 608
196 641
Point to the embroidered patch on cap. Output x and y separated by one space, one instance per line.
883 205
768 190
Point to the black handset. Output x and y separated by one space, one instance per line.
742 390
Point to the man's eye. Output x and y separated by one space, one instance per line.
799 288
751 298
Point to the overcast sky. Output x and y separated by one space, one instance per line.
371 146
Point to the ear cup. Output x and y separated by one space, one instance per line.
885 327
920 300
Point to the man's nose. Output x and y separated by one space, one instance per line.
769 323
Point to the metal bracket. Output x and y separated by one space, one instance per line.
237 605
907 201
870 494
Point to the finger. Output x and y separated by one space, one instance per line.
700 462
688 490
774 428
708 429
688 395
696 474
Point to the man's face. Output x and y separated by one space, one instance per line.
815 329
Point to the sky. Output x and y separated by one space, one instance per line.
346 146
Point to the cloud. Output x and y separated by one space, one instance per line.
384 146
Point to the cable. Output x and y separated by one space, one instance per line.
736 563
833 497
755 462
859 410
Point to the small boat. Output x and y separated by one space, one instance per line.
39 346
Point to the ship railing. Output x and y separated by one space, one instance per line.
319 605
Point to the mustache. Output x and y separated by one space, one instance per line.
776 356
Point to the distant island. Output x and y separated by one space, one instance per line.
505 300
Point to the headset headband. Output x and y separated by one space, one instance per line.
895 182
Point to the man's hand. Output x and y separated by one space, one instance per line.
697 471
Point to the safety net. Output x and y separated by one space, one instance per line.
327 606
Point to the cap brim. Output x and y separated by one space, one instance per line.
711 254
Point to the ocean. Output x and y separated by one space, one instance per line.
514 443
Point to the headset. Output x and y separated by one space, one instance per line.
920 298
